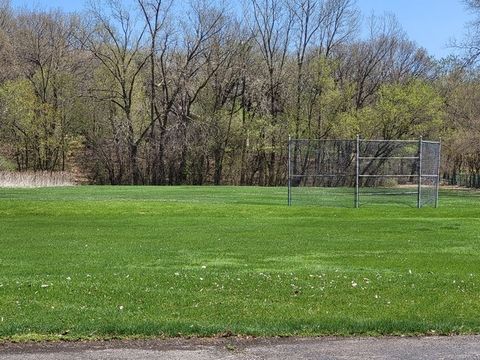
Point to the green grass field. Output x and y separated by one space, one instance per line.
104 262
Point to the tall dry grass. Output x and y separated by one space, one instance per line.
30 179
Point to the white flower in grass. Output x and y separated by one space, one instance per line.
204 267
354 284
44 285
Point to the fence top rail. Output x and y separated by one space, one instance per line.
397 175
369 140
387 141
340 140
322 175
388 157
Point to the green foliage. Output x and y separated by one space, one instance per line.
6 164
400 111
19 105
461 88
109 262
322 100
33 128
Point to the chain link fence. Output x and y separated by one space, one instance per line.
362 172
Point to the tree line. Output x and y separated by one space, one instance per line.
164 92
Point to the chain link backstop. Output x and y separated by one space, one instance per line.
360 172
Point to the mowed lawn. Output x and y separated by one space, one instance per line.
103 262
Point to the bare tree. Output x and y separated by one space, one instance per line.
44 55
306 25
156 16
5 13
339 21
8 70
222 100
367 63
322 25
169 92
271 25
117 43
203 59
471 44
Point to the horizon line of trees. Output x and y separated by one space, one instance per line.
161 92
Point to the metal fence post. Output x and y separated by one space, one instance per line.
419 191
289 173
357 173
437 185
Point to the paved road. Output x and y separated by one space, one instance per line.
457 347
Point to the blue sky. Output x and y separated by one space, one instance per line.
430 23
